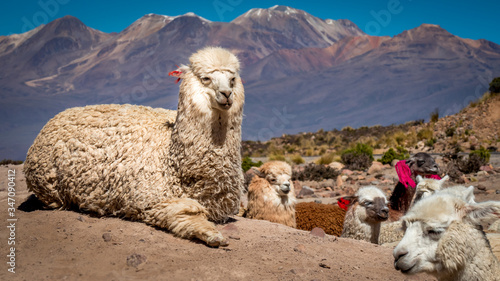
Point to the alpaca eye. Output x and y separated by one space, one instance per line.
434 233
272 180
368 203
205 80
232 81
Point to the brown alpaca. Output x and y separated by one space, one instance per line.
420 164
328 217
271 195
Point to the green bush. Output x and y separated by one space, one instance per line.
425 134
483 153
277 157
325 159
314 172
297 159
430 142
358 158
391 154
434 115
495 85
247 163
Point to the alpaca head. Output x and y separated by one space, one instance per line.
278 174
427 187
441 234
422 164
466 193
212 80
374 204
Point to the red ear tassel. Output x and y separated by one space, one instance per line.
343 203
176 73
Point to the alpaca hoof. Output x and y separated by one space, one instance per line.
217 241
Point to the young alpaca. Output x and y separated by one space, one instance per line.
444 237
426 187
363 218
173 170
271 195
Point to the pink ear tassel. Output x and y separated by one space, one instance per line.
176 73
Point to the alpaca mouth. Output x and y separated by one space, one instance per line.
225 106
405 271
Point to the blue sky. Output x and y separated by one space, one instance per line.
467 19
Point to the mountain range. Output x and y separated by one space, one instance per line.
301 73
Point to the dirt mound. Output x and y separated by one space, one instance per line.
57 245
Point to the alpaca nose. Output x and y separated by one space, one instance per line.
398 254
226 94
384 213
227 99
285 187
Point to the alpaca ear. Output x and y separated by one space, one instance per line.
257 172
410 161
482 212
469 195
352 199
445 178
180 72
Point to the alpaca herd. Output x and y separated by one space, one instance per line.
181 171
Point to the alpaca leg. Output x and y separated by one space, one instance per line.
185 218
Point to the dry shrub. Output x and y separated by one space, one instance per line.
314 172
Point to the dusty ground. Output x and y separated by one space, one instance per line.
67 245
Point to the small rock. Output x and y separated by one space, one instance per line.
107 237
336 165
347 172
420 145
306 191
318 232
80 218
340 182
481 187
300 248
375 168
482 173
394 162
135 260
299 271
317 201
297 186
375 182
486 168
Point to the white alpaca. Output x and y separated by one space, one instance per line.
271 195
443 237
363 218
173 170
427 186
393 232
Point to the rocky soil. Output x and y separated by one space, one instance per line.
68 245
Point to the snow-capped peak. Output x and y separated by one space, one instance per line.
170 18
287 10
